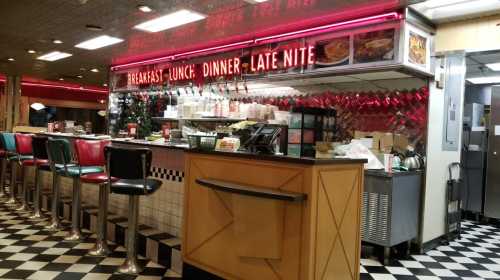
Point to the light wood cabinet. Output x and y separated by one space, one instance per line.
242 236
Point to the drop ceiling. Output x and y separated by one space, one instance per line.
476 64
34 24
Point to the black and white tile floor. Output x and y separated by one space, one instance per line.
475 256
28 251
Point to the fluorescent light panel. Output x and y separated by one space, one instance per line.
145 9
485 80
53 56
494 66
99 42
432 4
169 21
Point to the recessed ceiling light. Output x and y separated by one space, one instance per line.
104 85
171 20
494 66
31 51
11 59
485 80
93 27
95 70
53 56
83 69
37 106
55 41
79 77
144 8
61 79
99 42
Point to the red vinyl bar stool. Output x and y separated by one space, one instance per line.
41 163
91 153
24 150
132 168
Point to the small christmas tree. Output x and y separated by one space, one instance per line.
139 114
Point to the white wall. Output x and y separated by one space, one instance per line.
434 208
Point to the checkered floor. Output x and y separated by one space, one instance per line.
28 251
475 256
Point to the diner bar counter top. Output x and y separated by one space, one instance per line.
269 217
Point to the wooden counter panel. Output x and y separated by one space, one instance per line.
212 224
338 217
314 239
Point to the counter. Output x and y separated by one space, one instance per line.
266 217
301 221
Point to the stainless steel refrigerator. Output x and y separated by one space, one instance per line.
492 193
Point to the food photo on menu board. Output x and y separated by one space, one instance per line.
333 52
374 46
418 49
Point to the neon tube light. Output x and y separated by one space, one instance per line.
248 42
63 87
142 62
172 57
327 27
261 40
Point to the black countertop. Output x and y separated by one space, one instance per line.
168 145
382 173
287 159
137 142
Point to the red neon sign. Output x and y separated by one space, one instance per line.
262 62
145 77
223 67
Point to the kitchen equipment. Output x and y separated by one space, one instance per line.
453 216
412 161
264 139
391 203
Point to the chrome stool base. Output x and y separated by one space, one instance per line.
24 200
37 215
130 266
3 173
11 201
24 208
101 246
54 226
100 249
74 236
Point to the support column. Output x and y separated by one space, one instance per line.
11 101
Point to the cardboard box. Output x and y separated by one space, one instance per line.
401 142
386 142
361 134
